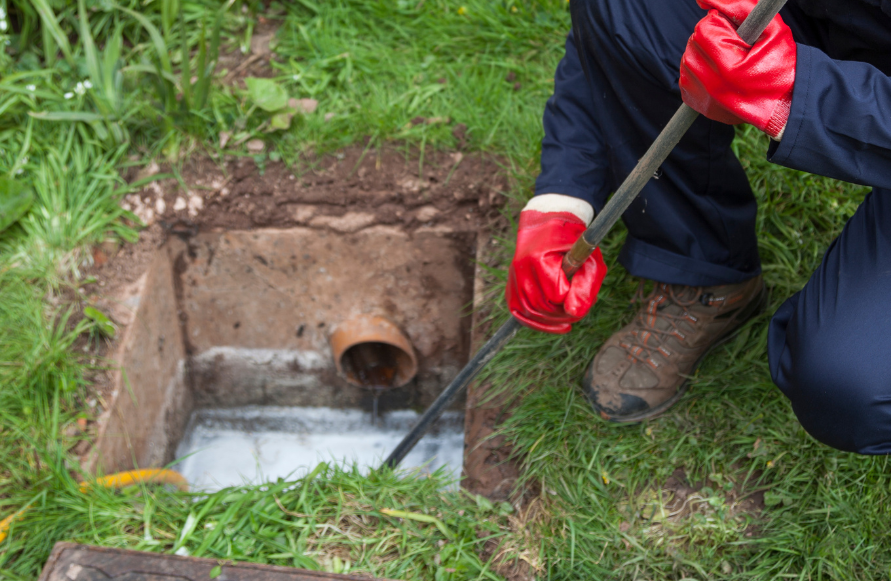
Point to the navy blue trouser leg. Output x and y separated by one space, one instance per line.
829 344
695 224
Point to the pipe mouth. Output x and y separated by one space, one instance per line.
371 351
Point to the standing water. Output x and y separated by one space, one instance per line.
227 447
255 444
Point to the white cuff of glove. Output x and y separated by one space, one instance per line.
562 203
779 136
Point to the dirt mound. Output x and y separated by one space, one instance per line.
345 192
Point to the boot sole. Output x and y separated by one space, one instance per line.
757 306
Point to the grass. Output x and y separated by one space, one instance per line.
825 510
377 65
333 520
374 66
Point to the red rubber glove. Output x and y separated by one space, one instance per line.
538 292
727 80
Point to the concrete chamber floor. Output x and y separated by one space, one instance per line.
256 444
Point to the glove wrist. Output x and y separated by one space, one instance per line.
560 203
731 81
777 124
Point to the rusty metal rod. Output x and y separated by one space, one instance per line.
749 31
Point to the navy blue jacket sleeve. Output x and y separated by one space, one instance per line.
840 123
573 155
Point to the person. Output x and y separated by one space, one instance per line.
816 82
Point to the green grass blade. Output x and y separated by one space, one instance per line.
25 148
51 26
161 51
186 63
66 116
91 56
111 77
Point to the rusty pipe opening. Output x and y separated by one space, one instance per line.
371 351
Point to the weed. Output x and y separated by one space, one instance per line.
77 190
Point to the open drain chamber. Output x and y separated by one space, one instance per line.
230 325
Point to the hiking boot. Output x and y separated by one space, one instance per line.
643 369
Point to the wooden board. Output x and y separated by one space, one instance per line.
72 562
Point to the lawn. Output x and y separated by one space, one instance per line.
90 88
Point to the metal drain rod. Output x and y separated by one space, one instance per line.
464 377
749 31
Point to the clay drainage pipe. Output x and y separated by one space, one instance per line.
371 351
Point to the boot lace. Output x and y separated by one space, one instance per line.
642 344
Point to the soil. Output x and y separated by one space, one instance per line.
491 468
346 192
679 498
512 569
254 63
677 490
515 557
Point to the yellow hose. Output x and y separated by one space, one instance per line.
119 480
4 524
132 477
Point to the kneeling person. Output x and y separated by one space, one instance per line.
816 82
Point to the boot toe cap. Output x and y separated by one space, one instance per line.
611 404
